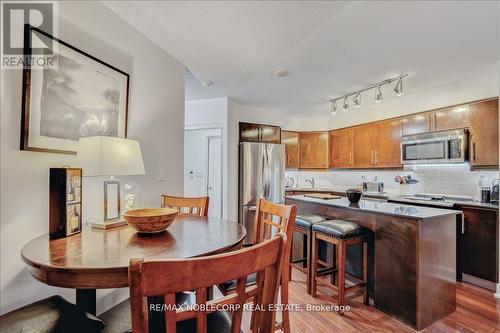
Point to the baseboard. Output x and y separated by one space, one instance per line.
479 282
497 294
106 299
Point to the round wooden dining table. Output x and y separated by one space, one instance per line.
99 259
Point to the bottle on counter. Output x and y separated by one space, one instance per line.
363 183
479 190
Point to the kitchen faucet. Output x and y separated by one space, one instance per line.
311 180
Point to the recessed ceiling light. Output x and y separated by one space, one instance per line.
282 73
206 83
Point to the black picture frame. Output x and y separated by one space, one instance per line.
25 143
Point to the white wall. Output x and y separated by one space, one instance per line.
156 117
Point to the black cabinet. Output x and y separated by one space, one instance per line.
479 243
65 202
259 133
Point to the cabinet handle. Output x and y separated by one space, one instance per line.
376 157
474 151
373 158
463 224
350 158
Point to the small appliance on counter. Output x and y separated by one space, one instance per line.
375 186
494 191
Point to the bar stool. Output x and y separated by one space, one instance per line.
303 224
341 234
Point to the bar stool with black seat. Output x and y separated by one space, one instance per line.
341 234
303 224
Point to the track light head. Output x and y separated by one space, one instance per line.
378 95
345 106
334 107
357 100
398 89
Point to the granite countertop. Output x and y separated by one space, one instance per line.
382 207
392 195
457 203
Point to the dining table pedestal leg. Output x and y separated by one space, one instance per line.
86 300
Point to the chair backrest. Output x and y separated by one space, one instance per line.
186 206
271 218
165 278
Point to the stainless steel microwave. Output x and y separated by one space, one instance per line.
436 147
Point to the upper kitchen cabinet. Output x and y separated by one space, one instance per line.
341 148
259 133
418 123
376 145
291 141
363 146
483 119
387 144
313 150
451 118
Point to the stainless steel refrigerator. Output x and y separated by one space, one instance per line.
262 175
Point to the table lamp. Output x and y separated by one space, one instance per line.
108 156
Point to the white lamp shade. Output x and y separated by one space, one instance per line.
109 156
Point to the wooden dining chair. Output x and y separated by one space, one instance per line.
165 278
187 206
270 219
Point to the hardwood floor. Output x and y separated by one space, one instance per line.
477 312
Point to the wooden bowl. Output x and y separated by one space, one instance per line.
150 220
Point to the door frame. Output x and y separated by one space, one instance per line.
221 194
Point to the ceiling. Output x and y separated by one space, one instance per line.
328 47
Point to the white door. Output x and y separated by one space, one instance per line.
214 179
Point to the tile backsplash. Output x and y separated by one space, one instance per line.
450 179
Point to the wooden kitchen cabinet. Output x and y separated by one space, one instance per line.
291 141
313 150
387 144
483 119
341 148
451 118
479 242
363 146
417 123
259 133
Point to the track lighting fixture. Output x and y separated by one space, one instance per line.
378 95
345 106
356 96
357 100
398 89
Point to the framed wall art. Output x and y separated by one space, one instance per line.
79 96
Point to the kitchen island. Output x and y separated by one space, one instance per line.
412 261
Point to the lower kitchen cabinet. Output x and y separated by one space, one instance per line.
479 243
